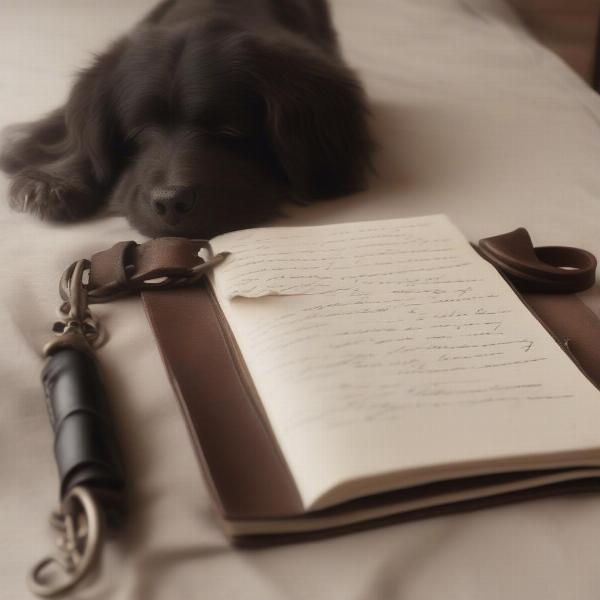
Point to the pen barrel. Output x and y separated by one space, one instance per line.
85 446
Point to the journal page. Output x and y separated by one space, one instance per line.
389 353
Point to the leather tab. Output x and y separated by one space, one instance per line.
546 269
129 267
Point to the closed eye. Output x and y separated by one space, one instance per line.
142 132
222 133
134 134
229 132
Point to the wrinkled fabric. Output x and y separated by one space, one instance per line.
476 120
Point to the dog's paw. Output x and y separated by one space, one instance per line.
50 197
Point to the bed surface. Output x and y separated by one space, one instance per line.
477 120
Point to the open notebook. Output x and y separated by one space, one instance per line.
336 374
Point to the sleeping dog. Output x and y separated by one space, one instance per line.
204 118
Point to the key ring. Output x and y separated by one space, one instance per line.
81 533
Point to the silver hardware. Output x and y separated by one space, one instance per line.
81 532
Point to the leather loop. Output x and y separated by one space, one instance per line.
161 263
121 275
547 269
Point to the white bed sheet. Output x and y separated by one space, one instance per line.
478 121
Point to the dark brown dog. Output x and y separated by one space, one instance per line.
204 118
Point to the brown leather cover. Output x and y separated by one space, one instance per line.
578 486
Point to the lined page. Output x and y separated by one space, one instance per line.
388 352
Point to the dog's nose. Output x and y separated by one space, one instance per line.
172 203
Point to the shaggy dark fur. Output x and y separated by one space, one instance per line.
203 119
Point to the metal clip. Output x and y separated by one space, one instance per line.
78 329
81 531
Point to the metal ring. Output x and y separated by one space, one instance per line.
79 546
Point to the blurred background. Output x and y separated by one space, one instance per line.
568 27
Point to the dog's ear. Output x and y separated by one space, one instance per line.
74 139
91 127
316 116
63 164
28 144
317 121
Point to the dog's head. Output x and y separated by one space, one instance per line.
213 128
